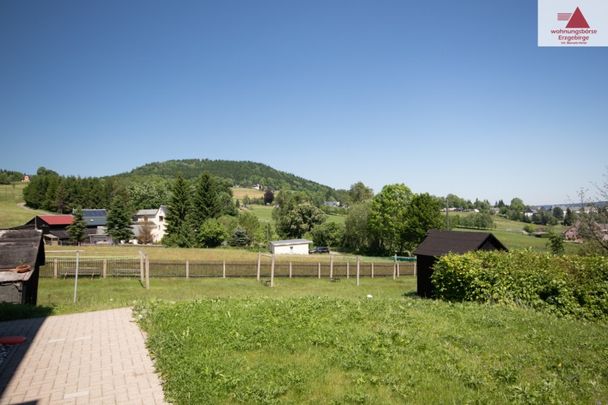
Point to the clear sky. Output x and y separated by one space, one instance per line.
446 97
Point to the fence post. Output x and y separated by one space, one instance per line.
319 270
331 266
54 268
187 269
147 272
259 265
398 270
358 268
415 266
141 266
372 269
104 269
272 272
290 271
76 276
347 269
224 269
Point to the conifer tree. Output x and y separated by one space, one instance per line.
205 204
179 231
120 218
77 229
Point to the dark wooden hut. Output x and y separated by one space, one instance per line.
440 243
21 255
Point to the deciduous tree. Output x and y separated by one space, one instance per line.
388 218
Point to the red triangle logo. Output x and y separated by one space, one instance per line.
577 20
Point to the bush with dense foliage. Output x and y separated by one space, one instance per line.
565 285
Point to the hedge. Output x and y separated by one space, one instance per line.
565 285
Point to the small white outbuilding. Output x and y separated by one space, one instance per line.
290 247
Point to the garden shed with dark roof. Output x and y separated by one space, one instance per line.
440 243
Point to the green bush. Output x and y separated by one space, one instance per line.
565 285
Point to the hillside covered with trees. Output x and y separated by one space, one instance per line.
243 173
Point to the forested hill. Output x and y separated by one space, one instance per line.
242 173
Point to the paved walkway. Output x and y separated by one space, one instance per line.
89 358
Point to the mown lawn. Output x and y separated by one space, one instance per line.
55 296
316 341
379 350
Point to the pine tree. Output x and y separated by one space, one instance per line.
205 204
240 237
179 231
77 230
120 218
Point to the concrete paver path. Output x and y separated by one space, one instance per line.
89 358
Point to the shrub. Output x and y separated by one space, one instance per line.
565 285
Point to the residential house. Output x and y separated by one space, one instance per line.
96 221
154 220
573 233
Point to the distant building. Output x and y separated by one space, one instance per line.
154 218
53 227
96 220
333 204
290 247
573 233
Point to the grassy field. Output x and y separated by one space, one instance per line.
57 295
240 192
11 214
511 233
313 341
216 254
392 348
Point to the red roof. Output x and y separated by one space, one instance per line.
57 219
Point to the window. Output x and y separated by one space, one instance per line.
161 218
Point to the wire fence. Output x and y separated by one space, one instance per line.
59 267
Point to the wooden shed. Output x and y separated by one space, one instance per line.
440 243
21 255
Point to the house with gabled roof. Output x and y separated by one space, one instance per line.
150 220
53 227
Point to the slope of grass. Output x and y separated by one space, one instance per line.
241 192
11 213
381 350
511 233
264 214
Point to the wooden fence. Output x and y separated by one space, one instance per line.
58 267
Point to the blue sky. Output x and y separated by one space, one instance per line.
446 97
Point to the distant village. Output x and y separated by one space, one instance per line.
148 226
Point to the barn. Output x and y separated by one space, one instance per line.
440 243
54 227
290 247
